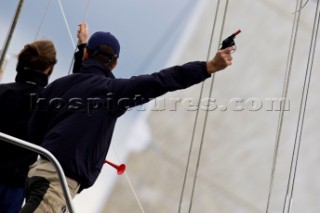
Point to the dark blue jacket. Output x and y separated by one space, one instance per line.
76 115
15 112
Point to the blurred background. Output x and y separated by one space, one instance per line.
239 136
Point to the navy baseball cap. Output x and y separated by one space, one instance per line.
103 38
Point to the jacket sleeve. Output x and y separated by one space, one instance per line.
37 126
141 89
78 58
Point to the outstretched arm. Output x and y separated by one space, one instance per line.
141 89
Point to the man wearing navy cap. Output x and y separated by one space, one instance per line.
76 115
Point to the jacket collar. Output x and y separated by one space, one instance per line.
32 77
98 68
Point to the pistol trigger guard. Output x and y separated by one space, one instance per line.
235 48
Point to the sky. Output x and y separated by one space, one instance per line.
146 29
148 32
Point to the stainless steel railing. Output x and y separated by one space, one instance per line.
49 156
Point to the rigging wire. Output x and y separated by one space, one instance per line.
302 109
207 112
197 112
87 11
42 19
75 49
67 25
294 32
301 7
129 181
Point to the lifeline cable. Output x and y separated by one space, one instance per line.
290 56
197 112
302 110
206 114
